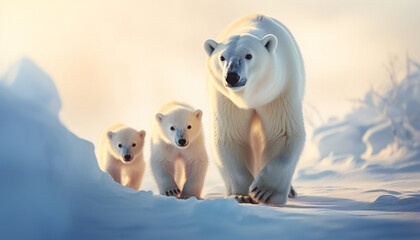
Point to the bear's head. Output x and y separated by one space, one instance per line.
179 127
126 144
243 68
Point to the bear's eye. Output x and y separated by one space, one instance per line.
120 145
248 56
189 127
172 128
134 145
222 58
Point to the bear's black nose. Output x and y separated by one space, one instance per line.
232 78
127 157
182 142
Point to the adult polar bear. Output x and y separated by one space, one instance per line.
256 83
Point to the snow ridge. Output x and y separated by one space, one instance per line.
380 137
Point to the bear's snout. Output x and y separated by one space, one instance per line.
232 79
127 157
182 142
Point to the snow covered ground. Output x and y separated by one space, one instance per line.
364 183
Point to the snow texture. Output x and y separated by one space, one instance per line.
380 138
52 187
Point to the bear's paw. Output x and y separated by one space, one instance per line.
173 192
267 195
244 199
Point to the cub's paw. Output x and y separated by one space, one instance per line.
172 192
244 199
267 195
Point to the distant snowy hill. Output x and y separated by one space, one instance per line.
381 138
52 188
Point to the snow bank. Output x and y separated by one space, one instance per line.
40 92
52 188
381 138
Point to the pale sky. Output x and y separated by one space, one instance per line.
118 61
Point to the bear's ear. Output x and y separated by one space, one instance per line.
198 114
142 133
109 134
209 46
269 41
159 117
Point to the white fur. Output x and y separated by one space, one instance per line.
166 152
111 156
258 130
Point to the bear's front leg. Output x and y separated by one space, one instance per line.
273 184
231 146
232 157
133 182
114 169
163 171
284 133
195 172
134 177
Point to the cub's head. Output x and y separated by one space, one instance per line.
243 68
126 144
179 127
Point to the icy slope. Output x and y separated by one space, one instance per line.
40 91
52 188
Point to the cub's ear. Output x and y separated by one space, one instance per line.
198 114
209 46
159 117
142 133
269 41
109 134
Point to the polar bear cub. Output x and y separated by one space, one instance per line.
177 136
256 80
120 154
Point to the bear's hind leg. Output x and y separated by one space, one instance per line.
292 193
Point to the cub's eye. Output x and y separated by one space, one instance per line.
248 56
120 145
189 127
222 58
172 128
134 145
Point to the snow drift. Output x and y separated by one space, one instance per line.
381 138
52 188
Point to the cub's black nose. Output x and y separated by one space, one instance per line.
182 142
127 157
232 78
